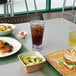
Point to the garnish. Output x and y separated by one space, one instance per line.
61 61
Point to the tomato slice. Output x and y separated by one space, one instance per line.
21 33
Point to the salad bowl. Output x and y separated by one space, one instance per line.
6 29
32 67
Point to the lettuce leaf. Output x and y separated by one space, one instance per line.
61 61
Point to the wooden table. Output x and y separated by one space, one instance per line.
55 38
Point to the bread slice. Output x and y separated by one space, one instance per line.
68 66
69 58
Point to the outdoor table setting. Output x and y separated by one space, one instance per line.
47 48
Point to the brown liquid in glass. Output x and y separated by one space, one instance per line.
37 34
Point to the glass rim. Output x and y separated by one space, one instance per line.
37 22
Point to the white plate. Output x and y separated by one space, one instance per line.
16 46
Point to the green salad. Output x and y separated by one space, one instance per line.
29 60
5 28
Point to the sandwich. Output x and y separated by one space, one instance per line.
69 59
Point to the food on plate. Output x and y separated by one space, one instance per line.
69 60
5 28
5 47
1 43
29 60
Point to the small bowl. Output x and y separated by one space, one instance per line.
33 67
21 36
8 31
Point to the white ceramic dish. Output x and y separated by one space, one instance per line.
16 46
21 36
34 67
9 31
